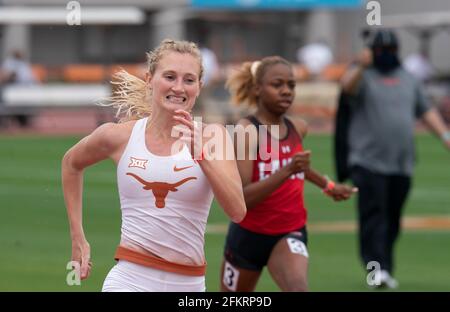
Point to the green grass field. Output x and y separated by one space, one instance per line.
34 233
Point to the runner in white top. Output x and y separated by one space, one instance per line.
165 195
171 190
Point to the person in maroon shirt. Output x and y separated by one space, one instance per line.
273 167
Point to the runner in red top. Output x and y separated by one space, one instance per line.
283 210
273 167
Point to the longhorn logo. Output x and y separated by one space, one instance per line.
160 189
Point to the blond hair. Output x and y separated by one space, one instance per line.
241 83
131 96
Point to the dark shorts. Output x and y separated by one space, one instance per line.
250 250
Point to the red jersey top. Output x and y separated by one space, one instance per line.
283 210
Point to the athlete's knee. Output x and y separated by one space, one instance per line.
297 285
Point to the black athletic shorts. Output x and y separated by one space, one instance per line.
249 250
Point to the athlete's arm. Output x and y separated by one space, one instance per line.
256 192
222 173
311 175
95 147
339 191
218 163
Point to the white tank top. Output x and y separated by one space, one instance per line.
165 201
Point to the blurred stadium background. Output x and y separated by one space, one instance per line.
73 66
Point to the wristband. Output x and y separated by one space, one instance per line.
329 187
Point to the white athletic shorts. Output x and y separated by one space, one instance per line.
126 276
